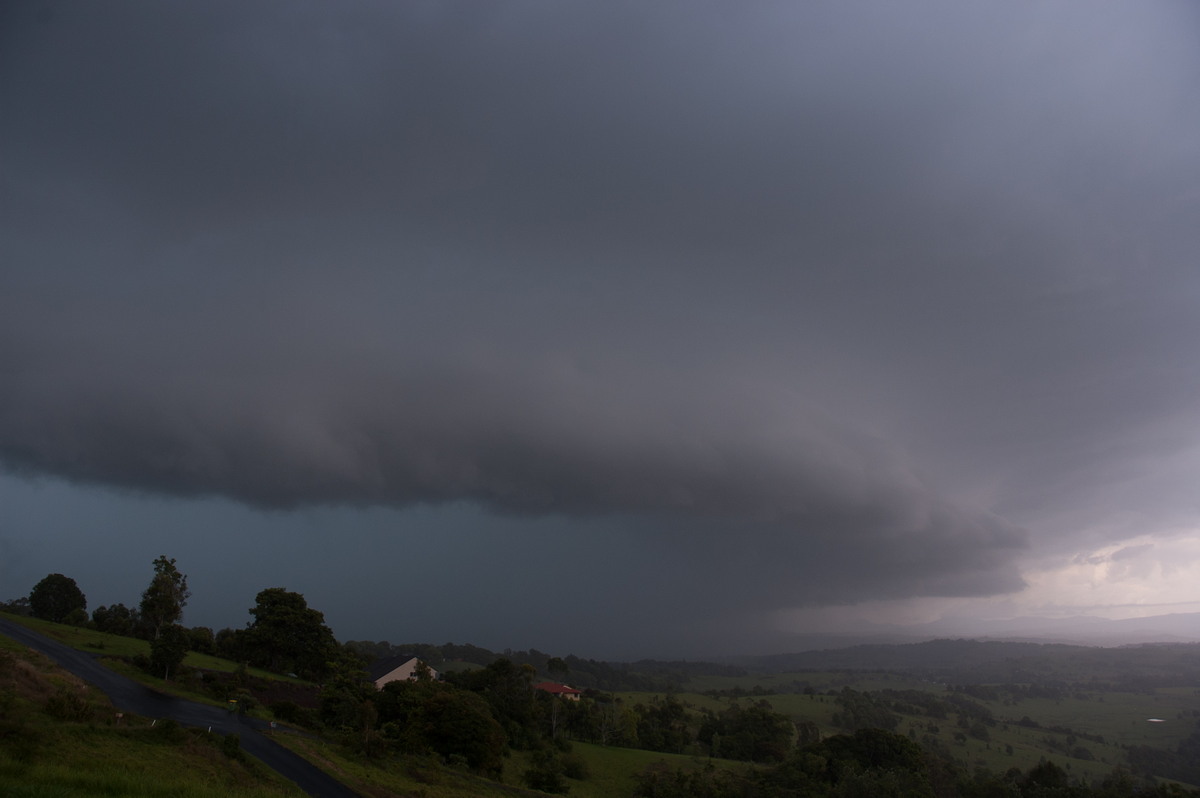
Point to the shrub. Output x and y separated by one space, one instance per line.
168 731
575 768
286 711
546 773
68 704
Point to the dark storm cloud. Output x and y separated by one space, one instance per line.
840 296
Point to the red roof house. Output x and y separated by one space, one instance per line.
560 690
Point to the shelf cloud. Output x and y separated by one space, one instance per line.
834 303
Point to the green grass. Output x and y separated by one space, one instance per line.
85 639
100 761
613 771
398 775
1119 717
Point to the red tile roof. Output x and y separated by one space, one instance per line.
557 689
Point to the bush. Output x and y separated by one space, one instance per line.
201 640
546 773
575 768
245 701
68 704
286 711
168 731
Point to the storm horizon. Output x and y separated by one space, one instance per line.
621 331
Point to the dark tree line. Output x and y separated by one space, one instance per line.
285 635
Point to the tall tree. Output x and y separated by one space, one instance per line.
286 635
163 601
56 597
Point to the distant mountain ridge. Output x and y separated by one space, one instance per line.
964 661
1084 630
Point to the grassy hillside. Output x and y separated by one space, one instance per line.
202 677
61 739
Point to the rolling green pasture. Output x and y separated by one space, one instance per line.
1121 718
613 771
1118 717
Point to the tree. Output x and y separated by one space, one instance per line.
201 640
546 773
456 722
288 636
55 597
754 733
229 642
348 707
168 649
163 601
508 689
17 606
117 619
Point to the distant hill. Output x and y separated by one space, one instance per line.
1081 630
1009 650
993 661
1078 629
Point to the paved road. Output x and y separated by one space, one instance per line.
129 696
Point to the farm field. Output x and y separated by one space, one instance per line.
1087 733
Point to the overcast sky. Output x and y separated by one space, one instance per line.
618 329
